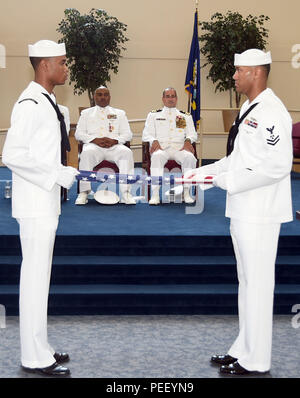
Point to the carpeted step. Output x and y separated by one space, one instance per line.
147 299
146 260
144 245
147 269
129 270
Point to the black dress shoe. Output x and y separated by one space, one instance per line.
53 370
61 357
222 359
236 369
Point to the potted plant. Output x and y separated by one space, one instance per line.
225 35
94 42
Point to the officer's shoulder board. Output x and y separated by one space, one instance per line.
156 110
185 113
28 99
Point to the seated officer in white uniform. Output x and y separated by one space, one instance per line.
104 131
256 175
171 134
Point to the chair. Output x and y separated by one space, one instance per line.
170 165
65 111
296 152
296 143
64 191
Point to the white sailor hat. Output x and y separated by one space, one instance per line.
106 197
46 48
252 57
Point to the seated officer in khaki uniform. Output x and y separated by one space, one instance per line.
170 133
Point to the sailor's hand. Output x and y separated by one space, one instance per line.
188 147
66 176
220 181
155 147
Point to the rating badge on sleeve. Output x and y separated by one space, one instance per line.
274 139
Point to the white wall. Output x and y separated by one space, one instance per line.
160 33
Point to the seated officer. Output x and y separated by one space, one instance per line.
170 133
104 131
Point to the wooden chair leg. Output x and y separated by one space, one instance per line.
64 194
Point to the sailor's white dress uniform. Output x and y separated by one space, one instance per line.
256 176
32 151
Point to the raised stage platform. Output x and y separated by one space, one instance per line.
145 260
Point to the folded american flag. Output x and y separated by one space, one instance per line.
97 176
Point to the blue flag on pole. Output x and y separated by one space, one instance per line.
192 80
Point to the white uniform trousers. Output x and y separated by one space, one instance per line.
255 247
160 157
37 237
92 155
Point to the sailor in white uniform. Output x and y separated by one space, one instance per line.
170 133
256 175
33 150
104 131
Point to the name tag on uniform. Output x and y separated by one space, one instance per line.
111 116
160 118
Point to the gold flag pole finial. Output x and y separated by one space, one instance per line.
197 2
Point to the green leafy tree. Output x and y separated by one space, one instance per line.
225 35
94 43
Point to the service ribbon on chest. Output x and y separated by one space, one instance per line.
180 122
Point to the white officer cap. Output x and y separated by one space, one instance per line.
46 48
106 197
252 57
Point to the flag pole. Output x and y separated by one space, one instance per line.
189 95
189 103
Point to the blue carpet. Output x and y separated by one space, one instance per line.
142 219
145 260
